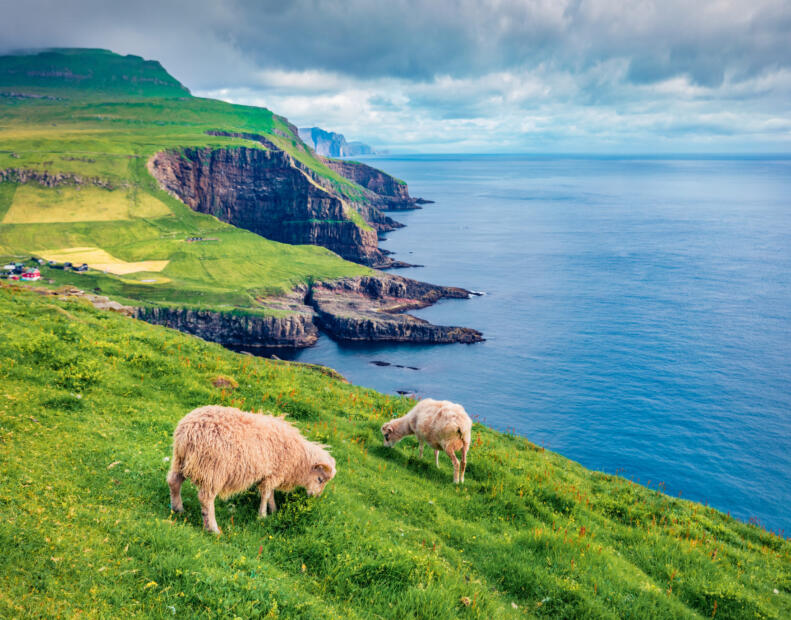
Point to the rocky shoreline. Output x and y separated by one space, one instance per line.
362 309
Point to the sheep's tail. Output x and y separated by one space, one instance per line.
176 461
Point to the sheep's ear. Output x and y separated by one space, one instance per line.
386 427
322 468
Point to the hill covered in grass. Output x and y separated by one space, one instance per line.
70 72
78 131
89 403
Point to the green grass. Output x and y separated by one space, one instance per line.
89 403
84 72
105 125
232 272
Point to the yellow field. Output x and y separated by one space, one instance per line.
34 204
96 258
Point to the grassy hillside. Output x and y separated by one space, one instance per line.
86 72
89 403
104 115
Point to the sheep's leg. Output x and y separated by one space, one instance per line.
449 451
207 510
175 478
267 490
436 458
421 449
464 450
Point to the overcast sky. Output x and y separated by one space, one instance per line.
635 76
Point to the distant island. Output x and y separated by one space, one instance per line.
331 144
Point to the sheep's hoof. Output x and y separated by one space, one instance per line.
177 508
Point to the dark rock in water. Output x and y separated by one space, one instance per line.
399 264
413 368
369 308
409 393
380 363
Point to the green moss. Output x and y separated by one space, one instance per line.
89 403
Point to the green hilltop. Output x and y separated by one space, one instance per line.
87 73
99 117
90 400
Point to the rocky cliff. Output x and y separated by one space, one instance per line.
383 190
293 330
264 191
370 308
331 144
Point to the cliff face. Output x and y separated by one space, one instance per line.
386 192
294 330
331 144
370 308
264 191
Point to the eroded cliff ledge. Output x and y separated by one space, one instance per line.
384 191
264 192
272 194
241 330
367 308
370 308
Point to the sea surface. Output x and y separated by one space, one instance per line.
637 313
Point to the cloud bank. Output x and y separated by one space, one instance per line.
442 76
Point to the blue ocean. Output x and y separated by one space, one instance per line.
637 313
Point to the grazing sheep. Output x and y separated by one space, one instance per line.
223 451
441 424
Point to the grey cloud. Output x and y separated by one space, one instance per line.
416 40
560 69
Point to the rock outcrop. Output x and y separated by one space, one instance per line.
331 144
52 179
240 330
264 191
383 190
370 308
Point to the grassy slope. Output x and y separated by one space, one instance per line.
98 129
85 525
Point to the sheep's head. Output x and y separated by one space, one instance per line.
390 434
320 474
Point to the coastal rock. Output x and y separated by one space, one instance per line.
265 192
292 330
370 308
386 191
332 144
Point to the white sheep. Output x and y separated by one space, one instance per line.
439 423
223 451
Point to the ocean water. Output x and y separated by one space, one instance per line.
637 314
